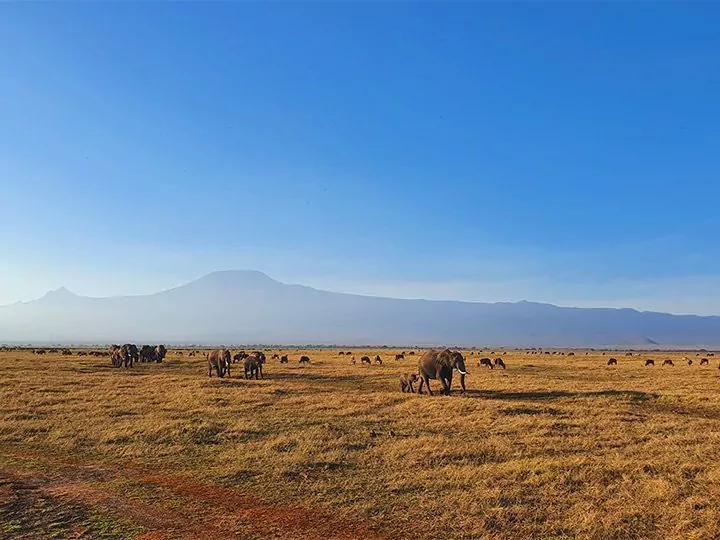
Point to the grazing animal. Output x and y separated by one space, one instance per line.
191 353
412 353
239 357
284 359
133 354
365 360
219 360
304 360
252 367
612 362
485 362
82 353
341 353
275 357
407 381
400 356
67 352
499 363
571 354
348 353
39 351
668 362
378 360
353 361
649 362
439 365
704 362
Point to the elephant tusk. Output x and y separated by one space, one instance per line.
462 372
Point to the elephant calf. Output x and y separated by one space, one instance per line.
407 381
253 367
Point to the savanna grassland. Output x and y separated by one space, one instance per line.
553 447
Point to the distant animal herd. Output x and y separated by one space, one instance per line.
436 365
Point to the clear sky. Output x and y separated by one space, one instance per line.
561 152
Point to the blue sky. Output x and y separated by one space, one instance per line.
560 152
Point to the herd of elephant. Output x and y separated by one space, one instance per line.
220 361
127 354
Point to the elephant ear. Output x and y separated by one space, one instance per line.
445 358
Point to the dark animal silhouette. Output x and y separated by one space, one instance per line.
253 367
284 359
82 353
704 362
304 360
220 361
191 353
275 357
668 362
39 351
612 362
239 357
499 363
407 381
378 360
365 360
400 356
341 353
439 365
133 355
260 356
412 353
649 362
485 362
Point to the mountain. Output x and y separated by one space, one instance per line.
250 307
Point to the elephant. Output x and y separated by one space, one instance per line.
252 367
406 382
160 352
133 355
219 360
439 365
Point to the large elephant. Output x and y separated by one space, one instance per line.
219 360
439 365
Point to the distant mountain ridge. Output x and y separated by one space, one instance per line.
242 306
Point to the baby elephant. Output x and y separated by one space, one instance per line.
407 380
252 367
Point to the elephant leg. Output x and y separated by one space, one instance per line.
420 386
410 388
427 383
445 387
462 383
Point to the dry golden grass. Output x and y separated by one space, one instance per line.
553 447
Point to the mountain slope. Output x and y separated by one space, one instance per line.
250 307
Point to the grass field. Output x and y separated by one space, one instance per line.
553 447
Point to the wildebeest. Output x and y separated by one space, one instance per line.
612 362
191 353
485 362
304 360
499 362
284 359
439 365
219 360
407 381
39 351
67 352
704 362
412 353
82 353
365 360
571 354
649 362
341 353
275 357
378 360
252 367
668 362
400 356
348 353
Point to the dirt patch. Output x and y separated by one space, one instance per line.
206 510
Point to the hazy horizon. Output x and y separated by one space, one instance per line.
556 153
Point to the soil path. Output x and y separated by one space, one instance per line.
185 508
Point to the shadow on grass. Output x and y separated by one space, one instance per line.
632 395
